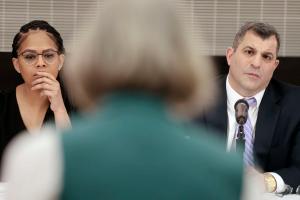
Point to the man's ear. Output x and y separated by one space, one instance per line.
16 65
229 53
61 61
276 63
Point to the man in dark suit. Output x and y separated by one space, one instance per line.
276 113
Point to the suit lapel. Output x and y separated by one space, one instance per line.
268 114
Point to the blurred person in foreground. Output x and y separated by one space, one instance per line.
38 56
275 140
140 76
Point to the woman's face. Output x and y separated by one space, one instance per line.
37 52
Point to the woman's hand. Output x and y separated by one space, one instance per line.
50 87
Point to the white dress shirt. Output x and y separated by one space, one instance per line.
232 97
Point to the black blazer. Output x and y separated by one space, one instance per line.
277 134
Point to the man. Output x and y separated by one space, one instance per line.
275 114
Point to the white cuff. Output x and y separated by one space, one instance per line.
279 182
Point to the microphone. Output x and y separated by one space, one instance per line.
241 111
241 114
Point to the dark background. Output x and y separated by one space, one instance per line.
288 70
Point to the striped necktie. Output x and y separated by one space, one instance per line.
249 139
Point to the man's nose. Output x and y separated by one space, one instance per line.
256 61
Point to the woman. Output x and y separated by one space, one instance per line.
38 56
142 76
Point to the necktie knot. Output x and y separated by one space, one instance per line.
251 101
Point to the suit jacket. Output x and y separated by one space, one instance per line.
277 133
131 148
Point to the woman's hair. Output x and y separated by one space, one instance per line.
37 25
140 45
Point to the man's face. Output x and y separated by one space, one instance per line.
252 64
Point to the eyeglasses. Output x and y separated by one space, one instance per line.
31 57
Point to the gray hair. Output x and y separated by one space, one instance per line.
141 45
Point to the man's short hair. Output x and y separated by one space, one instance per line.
263 30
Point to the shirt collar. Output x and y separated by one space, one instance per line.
233 96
